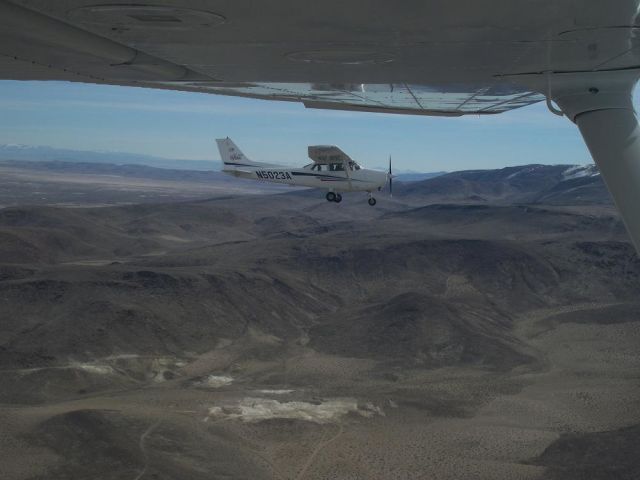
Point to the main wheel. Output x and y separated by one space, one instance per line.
372 201
338 198
331 197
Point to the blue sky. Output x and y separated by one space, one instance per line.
183 125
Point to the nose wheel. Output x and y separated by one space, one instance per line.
371 201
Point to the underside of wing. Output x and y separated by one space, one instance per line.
438 100
275 52
429 58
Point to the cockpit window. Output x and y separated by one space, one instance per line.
333 167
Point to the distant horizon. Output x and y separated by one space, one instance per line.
182 125
174 163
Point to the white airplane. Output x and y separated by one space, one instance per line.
332 169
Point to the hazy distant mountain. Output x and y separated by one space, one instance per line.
44 153
551 184
123 170
411 176
75 183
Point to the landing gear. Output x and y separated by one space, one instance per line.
371 201
334 197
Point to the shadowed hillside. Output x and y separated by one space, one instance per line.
476 325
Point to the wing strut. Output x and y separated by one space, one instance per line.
600 104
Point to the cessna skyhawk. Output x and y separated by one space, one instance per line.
332 169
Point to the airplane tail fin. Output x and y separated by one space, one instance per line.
231 155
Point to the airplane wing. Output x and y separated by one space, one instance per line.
327 154
188 46
424 57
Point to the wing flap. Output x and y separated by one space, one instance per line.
433 100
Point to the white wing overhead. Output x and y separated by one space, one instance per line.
423 56
327 154
438 57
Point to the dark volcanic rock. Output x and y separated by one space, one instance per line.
610 455
91 444
424 329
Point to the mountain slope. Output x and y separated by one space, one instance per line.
556 184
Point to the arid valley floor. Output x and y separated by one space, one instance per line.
482 325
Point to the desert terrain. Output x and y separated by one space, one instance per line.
477 325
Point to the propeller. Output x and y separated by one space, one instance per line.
390 179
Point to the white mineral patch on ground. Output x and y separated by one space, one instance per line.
161 366
369 410
94 368
215 381
276 392
251 409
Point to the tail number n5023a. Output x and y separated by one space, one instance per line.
267 175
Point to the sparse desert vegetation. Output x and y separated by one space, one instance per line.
475 326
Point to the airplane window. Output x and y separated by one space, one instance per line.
337 167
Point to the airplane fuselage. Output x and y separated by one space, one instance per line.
362 180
